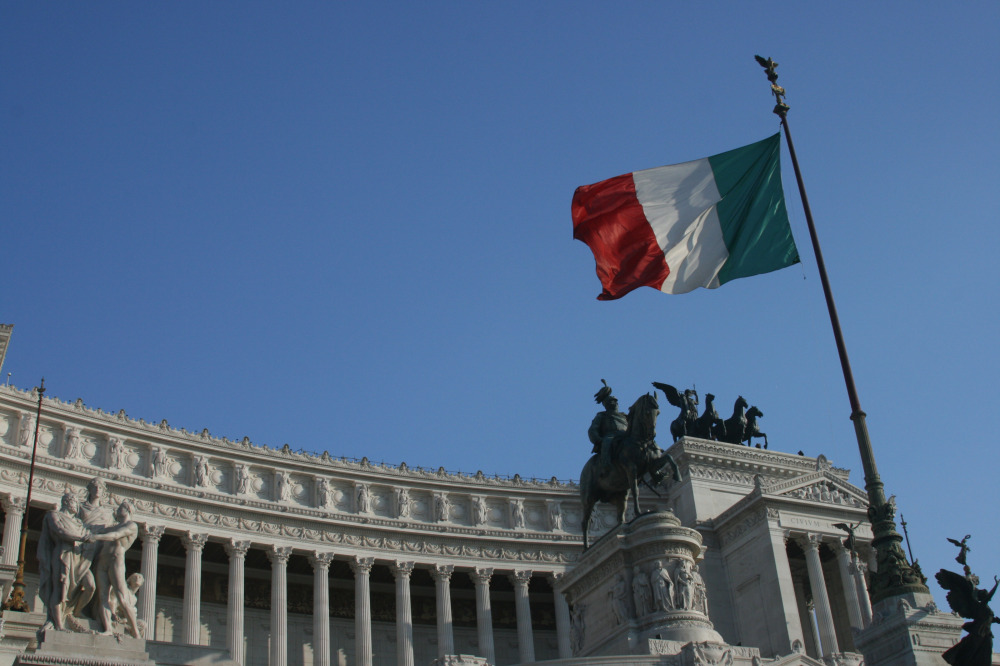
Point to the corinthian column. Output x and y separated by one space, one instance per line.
562 618
821 600
279 604
362 568
151 535
850 590
237 551
13 509
321 607
484 614
441 573
194 543
404 615
525 638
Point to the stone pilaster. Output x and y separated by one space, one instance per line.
150 535
441 573
279 604
562 618
525 636
321 607
821 600
237 551
362 568
404 614
484 613
13 508
191 631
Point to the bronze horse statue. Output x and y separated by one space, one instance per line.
752 429
736 425
634 454
709 425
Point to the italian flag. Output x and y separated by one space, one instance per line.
690 225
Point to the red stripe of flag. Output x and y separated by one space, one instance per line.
608 217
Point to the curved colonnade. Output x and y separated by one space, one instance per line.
302 558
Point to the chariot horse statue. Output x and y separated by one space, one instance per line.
634 454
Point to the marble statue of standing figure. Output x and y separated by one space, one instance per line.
72 443
441 507
482 514
685 586
606 424
663 587
242 479
700 593
66 584
402 503
284 487
619 599
116 453
364 501
27 429
641 592
200 471
159 463
323 493
110 571
517 515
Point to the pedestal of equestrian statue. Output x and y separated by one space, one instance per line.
637 591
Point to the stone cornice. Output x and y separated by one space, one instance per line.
77 414
689 451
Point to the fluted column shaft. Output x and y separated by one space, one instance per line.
362 567
279 604
562 618
445 627
13 508
321 607
484 613
404 615
522 605
858 570
821 600
151 535
191 631
850 589
237 551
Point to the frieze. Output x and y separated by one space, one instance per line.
687 450
751 521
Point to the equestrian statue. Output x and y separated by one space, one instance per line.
623 456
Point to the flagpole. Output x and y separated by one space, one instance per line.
893 576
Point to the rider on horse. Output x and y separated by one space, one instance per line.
606 424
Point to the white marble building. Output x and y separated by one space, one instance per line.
255 555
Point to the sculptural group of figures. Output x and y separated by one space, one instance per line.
739 428
658 591
972 603
81 552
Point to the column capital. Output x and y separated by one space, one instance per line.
810 541
555 576
194 541
520 577
279 554
152 533
236 548
320 560
401 569
12 503
442 572
481 575
362 566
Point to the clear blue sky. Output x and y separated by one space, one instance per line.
345 226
